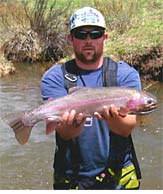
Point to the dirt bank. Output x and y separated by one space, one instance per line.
149 63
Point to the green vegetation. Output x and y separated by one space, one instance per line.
135 27
146 31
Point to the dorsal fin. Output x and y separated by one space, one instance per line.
74 89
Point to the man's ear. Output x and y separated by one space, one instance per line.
69 39
106 37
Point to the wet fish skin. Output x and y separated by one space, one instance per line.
87 101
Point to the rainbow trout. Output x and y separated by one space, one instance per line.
87 101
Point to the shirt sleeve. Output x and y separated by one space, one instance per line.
52 83
127 76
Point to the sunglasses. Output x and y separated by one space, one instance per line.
94 34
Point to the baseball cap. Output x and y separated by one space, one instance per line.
87 16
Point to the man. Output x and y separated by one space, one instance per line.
83 144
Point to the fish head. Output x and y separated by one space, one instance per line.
142 103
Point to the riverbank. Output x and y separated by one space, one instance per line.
135 36
6 67
149 64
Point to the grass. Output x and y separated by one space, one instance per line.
146 31
137 39
133 25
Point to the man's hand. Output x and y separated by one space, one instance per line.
117 119
110 112
70 125
72 119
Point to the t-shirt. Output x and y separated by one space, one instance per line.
90 150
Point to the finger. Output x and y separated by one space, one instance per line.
123 112
98 115
80 118
71 117
105 113
64 118
113 111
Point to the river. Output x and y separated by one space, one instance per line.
30 166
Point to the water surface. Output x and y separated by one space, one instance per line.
30 166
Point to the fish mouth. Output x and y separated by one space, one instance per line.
145 109
148 108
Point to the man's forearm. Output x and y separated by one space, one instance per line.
122 126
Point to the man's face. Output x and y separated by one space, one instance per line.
88 43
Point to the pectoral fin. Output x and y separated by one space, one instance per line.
50 127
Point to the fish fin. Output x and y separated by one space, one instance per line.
21 131
50 127
54 118
74 89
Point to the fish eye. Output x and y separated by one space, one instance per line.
149 101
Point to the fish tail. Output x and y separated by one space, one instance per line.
15 122
17 125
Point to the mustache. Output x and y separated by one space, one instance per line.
88 46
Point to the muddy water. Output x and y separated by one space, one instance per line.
30 166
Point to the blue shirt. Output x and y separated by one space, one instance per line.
93 144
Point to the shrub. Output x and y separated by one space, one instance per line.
44 27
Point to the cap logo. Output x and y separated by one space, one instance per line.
87 16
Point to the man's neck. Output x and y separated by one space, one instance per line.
90 66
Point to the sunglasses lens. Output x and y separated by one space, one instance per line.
94 34
80 34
